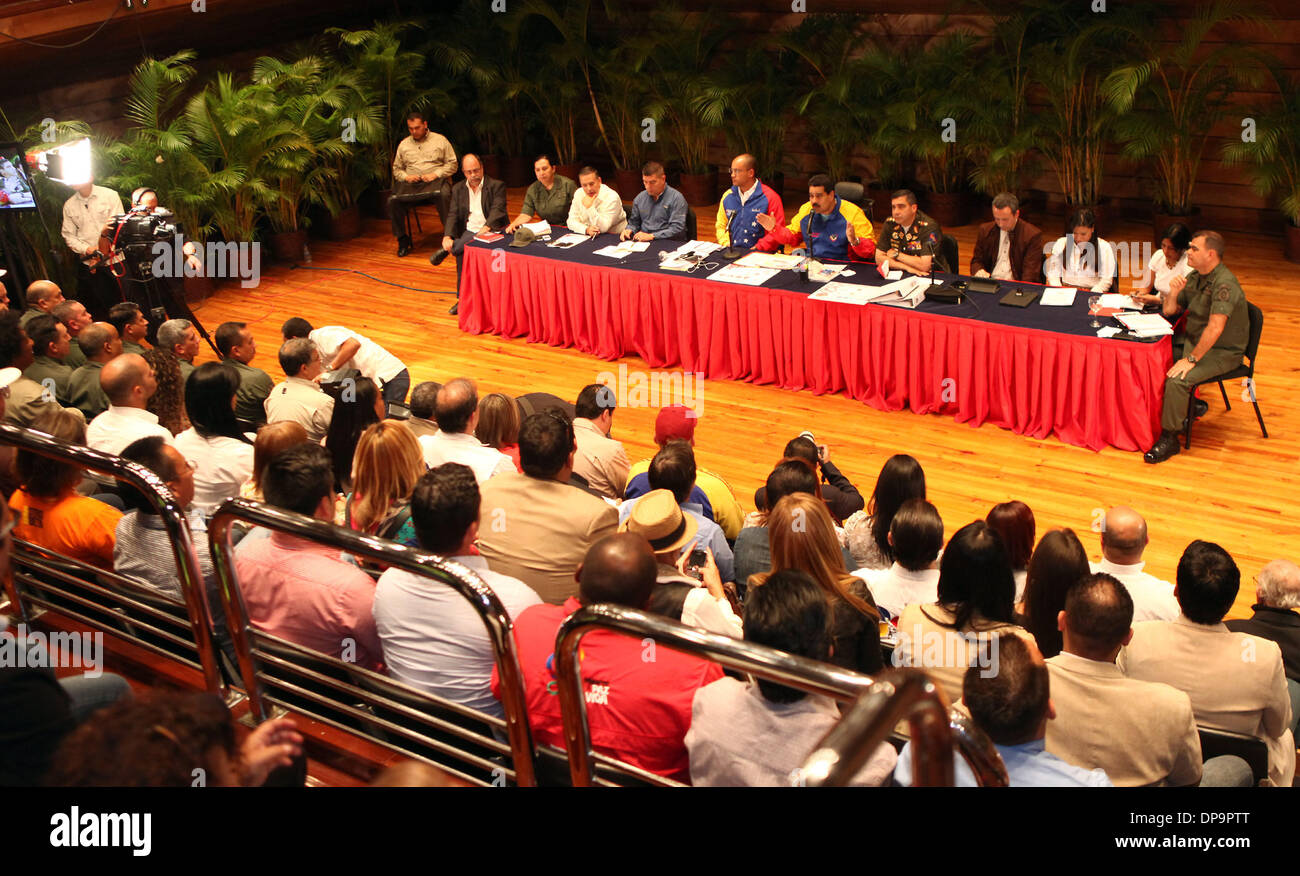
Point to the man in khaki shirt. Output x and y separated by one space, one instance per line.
601 460
1235 681
422 171
1139 732
300 398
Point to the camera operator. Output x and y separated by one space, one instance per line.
85 220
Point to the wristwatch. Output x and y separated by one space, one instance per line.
1191 358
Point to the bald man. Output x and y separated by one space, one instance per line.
478 203
129 382
1277 598
42 297
74 317
1123 540
638 696
99 343
456 410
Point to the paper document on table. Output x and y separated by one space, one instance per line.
636 245
541 227
907 292
1118 302
778 260
843 293
696 247
1108 332
1145 325
820 273
617 251
569 240
1057 296
745 276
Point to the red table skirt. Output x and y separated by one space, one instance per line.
1090 392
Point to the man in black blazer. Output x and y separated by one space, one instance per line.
1277 595
477 204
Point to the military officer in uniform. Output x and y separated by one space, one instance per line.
910 239
1215 335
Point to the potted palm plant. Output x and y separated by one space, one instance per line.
624 94
830 82
344 120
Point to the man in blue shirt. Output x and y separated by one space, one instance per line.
658 213
1009 700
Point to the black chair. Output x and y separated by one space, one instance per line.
855 193
1242 370
692 224
1251 749
948 249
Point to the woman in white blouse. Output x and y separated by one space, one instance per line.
221 454
1166 263
1081 258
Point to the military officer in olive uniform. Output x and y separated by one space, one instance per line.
910 239
1215 334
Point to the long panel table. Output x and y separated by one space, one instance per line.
1036 370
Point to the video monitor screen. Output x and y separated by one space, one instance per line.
15 183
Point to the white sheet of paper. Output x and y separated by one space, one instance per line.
894 275
1119 302
540 227
569 240
613 252
1146 325
1057 296
843 293
1108 332
778 260
735 273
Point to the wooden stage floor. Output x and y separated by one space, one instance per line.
1233 487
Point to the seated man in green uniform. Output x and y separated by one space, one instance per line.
910 240
1215 334
549 198
50 344
237 347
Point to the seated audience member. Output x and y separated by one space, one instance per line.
1014 521
168 400
1139 732
1013 706
901 478
841 497
711 492
433 638
159 740
27 398
270 441
238 347
100 345
1081 258
827 226
74 317
498 425
129 383
758 733
753 550
1008 248
540 402
638 710
384 472
42 297
601 461
1277 595
803 537
424 399
221 453
673 469
534 526
1198 655
1167 262
597 209
672 534
47 509
341 349
1123 540
1057 563
131 325
50 345
300 590
457 413
180 338
300 398
351 417
916 538
974 604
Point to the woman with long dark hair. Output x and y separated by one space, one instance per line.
1014 521
1080 257
1167 262
1058 562
222 455
356 409
901 478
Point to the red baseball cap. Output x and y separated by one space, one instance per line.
675 421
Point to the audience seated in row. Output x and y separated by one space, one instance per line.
385 469
457 411
215 444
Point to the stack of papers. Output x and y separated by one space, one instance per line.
568 240
541 227
1058 296
696 247
778 260
819 273
620 250
734 273
1145 325
907 292
1116 301
843 293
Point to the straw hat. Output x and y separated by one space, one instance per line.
657 516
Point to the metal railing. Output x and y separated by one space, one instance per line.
46 580
810 676
898 695
373 705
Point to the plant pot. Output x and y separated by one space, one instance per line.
491 166
627 183
344 226
1160 221
569 170
699 189
1291 242
287 246
518 172
947 208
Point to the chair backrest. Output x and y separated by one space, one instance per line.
948 246
692 223
854 193
278 673
1251 749
1256 328
103 600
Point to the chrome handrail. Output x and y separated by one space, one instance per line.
427 565
810 676
904 694
174 524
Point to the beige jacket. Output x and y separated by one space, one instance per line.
600 459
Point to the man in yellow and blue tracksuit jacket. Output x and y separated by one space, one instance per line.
738 211
828 227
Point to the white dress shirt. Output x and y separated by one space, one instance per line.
85 218
434 640
1158 270
895 588
605 213
1153 599
221 465
302 402
476 220
1002 268
464 448
115 428
1085 267
371 360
